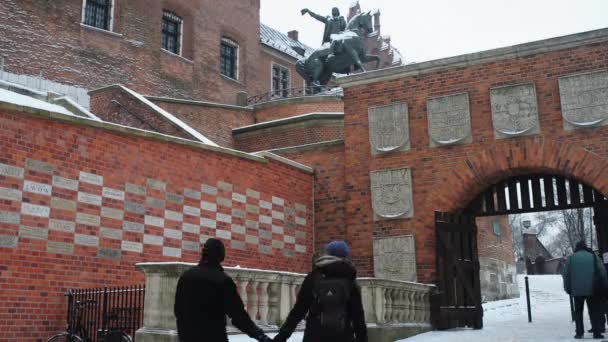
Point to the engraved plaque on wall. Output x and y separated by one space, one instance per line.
395 258
449 120
584 99
514 111
392 194
389 128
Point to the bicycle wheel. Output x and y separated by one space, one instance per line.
115 336
65 337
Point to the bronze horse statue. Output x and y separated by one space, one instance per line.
345 50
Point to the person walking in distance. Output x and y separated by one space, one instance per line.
585 279
205 295
331 298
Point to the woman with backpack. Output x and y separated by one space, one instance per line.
331 298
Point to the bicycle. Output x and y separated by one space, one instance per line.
78 333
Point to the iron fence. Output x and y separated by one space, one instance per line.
114 308
289 93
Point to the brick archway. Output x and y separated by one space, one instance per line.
458 186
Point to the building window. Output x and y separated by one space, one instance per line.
280 81
496 228
98 13
172 32
229 57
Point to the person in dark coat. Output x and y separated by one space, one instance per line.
585 279
332 268
205 295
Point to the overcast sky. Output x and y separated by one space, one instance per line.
430 29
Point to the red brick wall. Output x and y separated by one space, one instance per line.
447 179
144 182
214 122
330 195
291 107
495 246
290 135
85 57
116 106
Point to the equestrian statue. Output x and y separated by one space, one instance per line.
341 49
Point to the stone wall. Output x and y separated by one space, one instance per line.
498 279
82 201
281 109
448 172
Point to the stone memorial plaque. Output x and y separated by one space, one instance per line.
209 190
89 220
584 99
130 246
172 252
62 226
239 197
154 240
449 120
135 208
224 202
395 258
192 211
33 233
208 206
110 254
63 204
265 205
224 186
39 166
389 128
156 184
238 229
252 194
86 240
35 210
7 241
64 183
300 248
174 198
239 213
254 209
265 249
11 171
278 244
192 194
265 219
278 215
155 203
90 178
208 223
252 224
115 214
135 189
172 234
191 246
223 234
9 217
220 217
109 233
265 235
87 198
174 216
392 194
154 221
514 111
113 194
251 239
10 194
59 248
278 201
191 228
133 227
239 245
37 188
300 207
301 221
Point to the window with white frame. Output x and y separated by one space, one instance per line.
281 80
98 13
229 58
172 32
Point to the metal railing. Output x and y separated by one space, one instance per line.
115 308
289 93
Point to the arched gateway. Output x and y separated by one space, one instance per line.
431 146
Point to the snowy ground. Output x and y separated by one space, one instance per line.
507 320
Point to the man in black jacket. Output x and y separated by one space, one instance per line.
205 295
331 297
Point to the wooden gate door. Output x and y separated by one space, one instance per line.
458 300
600 219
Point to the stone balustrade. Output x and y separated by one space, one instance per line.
270 295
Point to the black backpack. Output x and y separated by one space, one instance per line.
330 303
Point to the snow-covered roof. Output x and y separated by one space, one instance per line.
13 98
281 42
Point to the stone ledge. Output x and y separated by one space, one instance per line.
307 147
298 100
515 51
288 121
197 103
